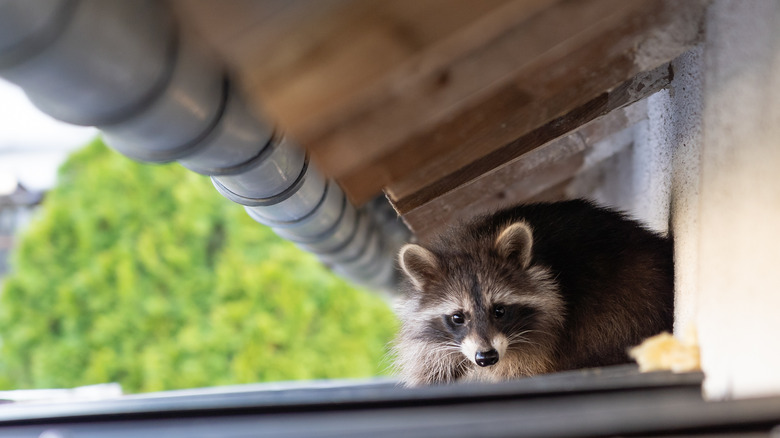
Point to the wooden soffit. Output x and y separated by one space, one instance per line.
420 98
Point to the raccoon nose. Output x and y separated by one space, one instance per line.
486 358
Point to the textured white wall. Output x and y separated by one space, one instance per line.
656 179
739 215
705 164
652 167
673 147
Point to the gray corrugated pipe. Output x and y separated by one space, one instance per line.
123 66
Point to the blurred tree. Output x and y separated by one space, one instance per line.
145 276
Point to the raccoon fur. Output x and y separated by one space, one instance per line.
531 289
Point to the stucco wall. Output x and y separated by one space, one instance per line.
705 165
673 147
739 203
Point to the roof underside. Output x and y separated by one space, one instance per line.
447 104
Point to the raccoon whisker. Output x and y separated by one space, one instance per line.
520 338
445 349
442 367
525 341
447 354
525 332
454 345
521 335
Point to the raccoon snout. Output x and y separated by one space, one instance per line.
486 358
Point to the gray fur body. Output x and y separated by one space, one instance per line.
531 289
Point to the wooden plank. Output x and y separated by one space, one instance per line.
304 61
424 187
438 77
446 76
501 189
542 174
223 22
421 97
336 56
468 107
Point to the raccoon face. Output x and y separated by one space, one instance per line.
486 302
485 333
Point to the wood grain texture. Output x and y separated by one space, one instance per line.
306 62
435 180
526 77
418 97
542 174
422 91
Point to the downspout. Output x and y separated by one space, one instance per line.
158 96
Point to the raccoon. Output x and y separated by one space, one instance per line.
531 289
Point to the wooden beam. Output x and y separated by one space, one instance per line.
306 62
542 174
421 130
424 187
420 97
414 93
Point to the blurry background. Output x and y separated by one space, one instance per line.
432 111
32 146
144 275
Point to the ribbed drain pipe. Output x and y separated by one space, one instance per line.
158 96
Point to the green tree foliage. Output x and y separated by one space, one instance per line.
145 276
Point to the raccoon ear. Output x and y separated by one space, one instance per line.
419 264
515 242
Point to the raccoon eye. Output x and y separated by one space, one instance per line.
499 311
457 318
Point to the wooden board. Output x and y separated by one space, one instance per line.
307 61
442 176
421 97
419 142
540 175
